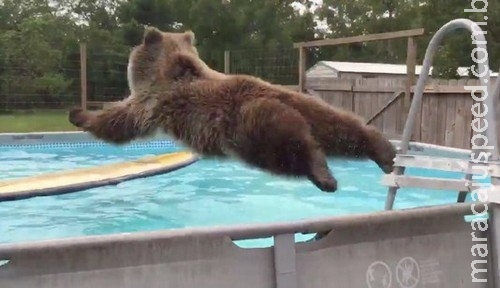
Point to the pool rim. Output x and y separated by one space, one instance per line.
73 137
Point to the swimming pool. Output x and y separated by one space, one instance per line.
207 193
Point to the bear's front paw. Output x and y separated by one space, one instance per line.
78 117
184 67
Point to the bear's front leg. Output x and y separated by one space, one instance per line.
183 67
188 67
118 124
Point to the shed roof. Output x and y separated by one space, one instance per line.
380 68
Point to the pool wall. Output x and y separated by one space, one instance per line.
422 247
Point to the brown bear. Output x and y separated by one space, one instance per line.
217 115
150 63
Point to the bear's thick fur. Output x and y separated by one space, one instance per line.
217 115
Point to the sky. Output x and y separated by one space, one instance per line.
321 23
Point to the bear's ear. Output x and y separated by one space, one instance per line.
152 35
190 37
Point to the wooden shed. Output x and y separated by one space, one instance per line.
362 70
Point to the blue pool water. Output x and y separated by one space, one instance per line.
206 193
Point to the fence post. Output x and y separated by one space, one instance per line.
411 63
83 75
302 69
227 61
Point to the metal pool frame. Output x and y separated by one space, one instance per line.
434 243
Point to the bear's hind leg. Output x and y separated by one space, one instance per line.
276 138
344 135
380 149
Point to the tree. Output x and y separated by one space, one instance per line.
32 56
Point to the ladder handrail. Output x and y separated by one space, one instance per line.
495 87
489 100
424 74
490 133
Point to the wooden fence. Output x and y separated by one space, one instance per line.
444 117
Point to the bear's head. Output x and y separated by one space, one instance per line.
162 56
150 60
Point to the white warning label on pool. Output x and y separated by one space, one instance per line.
407 272
378 275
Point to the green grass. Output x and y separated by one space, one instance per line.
38 121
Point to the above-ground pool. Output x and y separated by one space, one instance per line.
206 193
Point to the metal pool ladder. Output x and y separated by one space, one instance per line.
490 165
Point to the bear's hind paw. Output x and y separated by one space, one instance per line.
325 183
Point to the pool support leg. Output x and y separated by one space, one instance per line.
284 261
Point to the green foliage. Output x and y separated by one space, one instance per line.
40 39
32 61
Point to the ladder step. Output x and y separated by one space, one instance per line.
461 185
448 164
